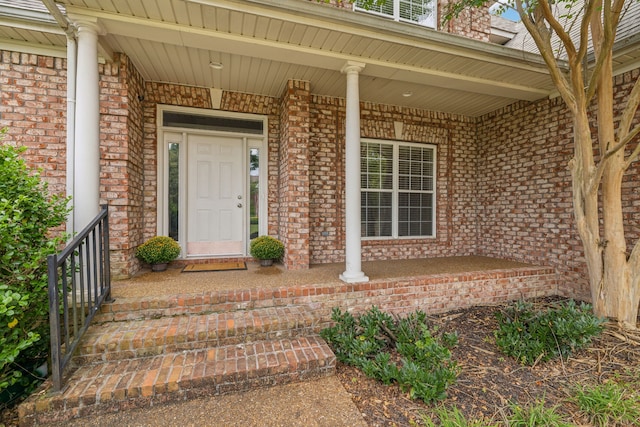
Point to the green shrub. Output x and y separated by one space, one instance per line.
425 369
540 335
158 250
609 404
27 214
266 247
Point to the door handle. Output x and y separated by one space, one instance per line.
239 205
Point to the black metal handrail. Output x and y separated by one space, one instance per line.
79 282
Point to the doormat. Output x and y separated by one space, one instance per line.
215 266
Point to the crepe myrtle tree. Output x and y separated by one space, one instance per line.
603 153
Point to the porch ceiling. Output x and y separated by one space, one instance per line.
264 43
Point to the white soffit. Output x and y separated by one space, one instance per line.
263 43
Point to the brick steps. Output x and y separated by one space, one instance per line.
139 363
140 382
122 340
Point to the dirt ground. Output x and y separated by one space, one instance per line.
489 381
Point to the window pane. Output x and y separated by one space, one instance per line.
376 213
418 11
384 9
376 166
415 214
254 192
196 121
415 166
174 189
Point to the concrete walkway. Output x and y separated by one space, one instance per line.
319 403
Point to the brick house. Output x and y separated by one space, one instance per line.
349 134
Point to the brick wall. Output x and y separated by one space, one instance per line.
122 162
474 23
525 204
326 179
454 137
33 108
294 174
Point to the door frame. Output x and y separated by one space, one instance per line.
250 140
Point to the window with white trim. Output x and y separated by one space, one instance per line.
397 189
422 12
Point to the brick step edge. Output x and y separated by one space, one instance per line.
125 309
139 383
144 338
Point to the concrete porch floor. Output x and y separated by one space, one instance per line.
174 281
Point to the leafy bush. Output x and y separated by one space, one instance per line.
27 213
266 247
540 335
158 250
425 369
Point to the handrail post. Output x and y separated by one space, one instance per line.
54 321
107 260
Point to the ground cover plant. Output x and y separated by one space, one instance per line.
493 389
395 350
532 335
609 404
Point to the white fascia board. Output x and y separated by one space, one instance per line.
33 48
26 15
50 27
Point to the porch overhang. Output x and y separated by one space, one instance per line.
264 43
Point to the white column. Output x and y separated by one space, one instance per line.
86 198
353 250
72 54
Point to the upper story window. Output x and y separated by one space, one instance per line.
422 12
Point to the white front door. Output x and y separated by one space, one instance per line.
215 196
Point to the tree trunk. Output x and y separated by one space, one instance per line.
585 201
615 296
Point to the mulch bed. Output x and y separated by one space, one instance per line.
489 381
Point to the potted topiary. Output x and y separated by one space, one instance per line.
158 251
267 249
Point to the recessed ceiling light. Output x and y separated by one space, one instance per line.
216 65
407 94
